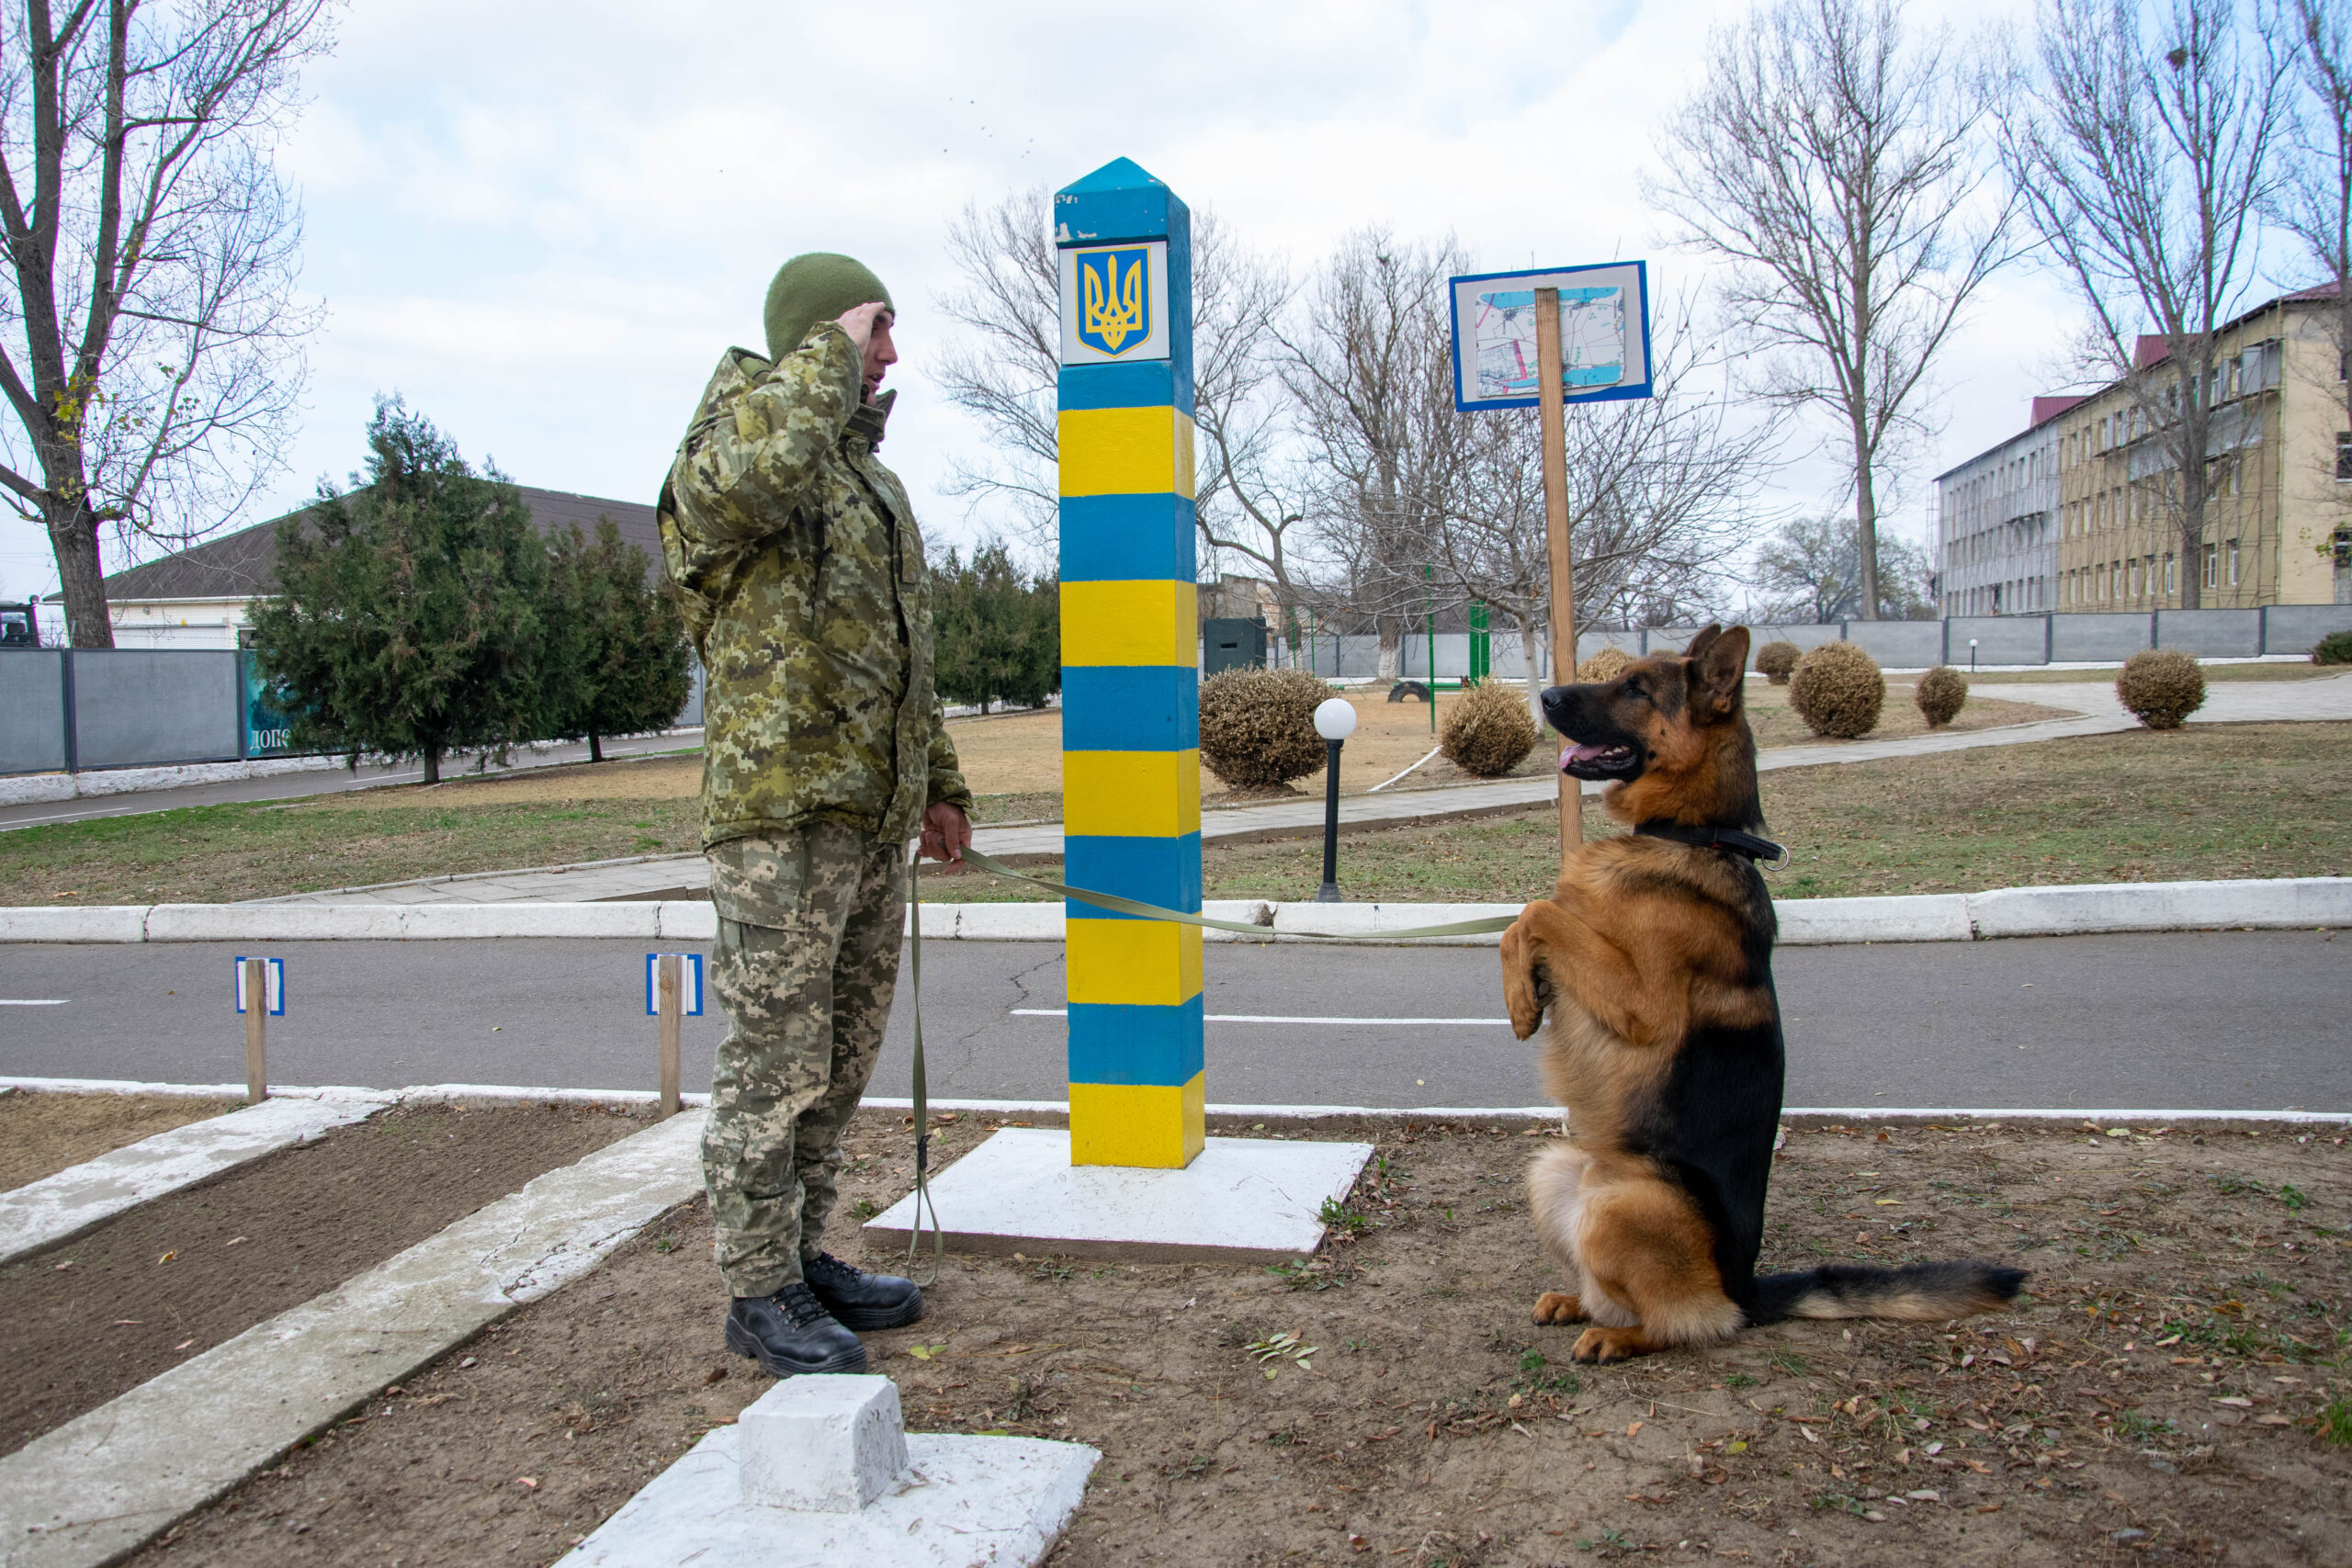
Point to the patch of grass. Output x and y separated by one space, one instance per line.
2336 1422
1739 1380
1787 1362
1337 1217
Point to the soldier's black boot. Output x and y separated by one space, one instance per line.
790 1332
860 1299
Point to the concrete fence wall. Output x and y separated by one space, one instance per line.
76 710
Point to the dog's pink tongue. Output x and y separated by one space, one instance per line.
1579 754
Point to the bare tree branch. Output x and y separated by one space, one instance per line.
1833 158
151 272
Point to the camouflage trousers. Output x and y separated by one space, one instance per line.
809 922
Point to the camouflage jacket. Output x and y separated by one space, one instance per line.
798 562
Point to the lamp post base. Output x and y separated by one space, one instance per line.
1327 893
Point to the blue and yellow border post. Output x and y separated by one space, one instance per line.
1131 759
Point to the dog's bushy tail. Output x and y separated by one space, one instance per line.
1917 1292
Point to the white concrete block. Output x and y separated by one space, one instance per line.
1366 922
1930 917
825 1445
1246 911
30 789
1241 1200
1002 922
103 922
966 1502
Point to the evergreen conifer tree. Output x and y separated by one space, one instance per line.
408 621
616 647
995 638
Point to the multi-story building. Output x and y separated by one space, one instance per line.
1996 540
2279 513
2278 466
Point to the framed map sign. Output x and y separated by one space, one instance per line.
1604 336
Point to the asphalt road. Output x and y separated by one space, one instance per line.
317 780
2190 1021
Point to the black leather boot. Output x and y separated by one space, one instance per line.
790 1332
860 1299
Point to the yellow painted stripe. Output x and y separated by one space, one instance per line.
1152 1125
1133 962
1125 451
1148 622
1131 794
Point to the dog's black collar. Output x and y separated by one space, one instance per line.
1731 839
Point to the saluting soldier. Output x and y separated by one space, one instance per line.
800 568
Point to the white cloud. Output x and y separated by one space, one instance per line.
541 223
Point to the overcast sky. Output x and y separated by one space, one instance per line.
541 223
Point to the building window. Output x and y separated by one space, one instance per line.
2172 576
2213 566
2344 455
2233 563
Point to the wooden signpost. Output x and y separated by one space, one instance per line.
672 993
261 991
1545 339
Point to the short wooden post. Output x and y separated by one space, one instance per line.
256 1024
672 1002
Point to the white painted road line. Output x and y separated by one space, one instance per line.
1279 1018
93 1490
17 1002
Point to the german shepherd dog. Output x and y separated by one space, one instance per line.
1654 959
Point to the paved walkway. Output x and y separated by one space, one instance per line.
688 876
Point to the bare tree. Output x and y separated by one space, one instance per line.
1370 366
1004 370
2144 159
152 257
1661 494
1810 572
1833 158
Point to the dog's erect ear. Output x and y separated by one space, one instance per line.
1719 671
1703 641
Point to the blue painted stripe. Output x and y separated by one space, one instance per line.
1125 708
1145 384
1128 538
1135 1045
1166 872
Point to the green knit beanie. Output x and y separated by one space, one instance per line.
812 288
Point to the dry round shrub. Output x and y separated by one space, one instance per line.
2162 686
2335 648
1941 693
1774 661
1258 725
1837 691
1606 665
1489 731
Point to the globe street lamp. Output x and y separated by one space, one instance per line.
1335 720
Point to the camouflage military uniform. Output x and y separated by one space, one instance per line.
798 561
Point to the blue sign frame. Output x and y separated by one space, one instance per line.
273 985
689 982
1547 276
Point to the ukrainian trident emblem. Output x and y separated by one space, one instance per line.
1113 301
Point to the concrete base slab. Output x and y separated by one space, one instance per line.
966 1502
42 1213
1241 1200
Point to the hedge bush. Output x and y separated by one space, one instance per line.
1488 732
1941 693
1258 725
1606 665
2334 648
1837 691
2162 686
1775 660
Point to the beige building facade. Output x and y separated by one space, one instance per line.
2278 514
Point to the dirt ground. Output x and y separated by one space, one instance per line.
40 1134
2173 1388
98 1314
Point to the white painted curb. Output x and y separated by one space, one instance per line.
91 1491
59 1207
2283 904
